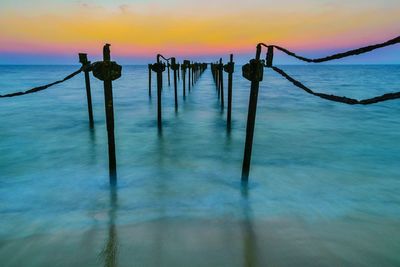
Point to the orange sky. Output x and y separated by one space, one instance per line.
144 28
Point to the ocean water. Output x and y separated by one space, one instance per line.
324 181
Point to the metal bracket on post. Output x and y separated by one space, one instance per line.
253 71
158 67
107 70
229 67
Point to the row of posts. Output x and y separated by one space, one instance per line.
108 71
194 71
217 70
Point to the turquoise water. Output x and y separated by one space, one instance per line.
324 181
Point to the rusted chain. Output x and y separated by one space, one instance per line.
353 52
335 98
43 87
166 59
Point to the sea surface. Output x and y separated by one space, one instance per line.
324 186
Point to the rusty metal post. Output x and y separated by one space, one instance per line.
175 67
159 68
192 74
107 71
86 64
183 68
221 82
189 75
252 71
149 80
169 82
229 68
218 84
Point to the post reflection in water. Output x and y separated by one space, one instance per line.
160 195
92 146
249 237
110 250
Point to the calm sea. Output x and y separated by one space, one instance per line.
324 181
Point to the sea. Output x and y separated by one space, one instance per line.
323 190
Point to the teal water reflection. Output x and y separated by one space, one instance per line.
323 187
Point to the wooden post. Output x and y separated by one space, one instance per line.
149 80
179 75
159 68
175 67
192 74
189 75
107 71
229 68
221 82
253 72
85 63
169 82
109 106
183 68
218 84
162 78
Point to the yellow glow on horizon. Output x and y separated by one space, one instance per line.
137 33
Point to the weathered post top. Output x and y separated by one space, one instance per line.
106 52
83 59
230 66
254 71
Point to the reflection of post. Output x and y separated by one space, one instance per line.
110 250
160 192
249 237
92 147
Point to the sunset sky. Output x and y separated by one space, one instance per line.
54 31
